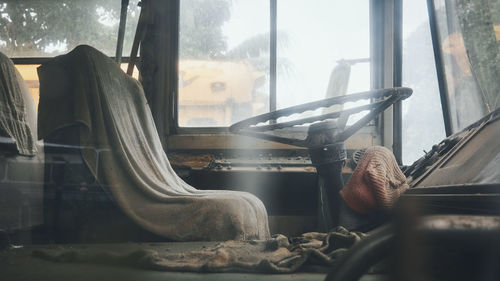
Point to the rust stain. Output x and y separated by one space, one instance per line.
190 160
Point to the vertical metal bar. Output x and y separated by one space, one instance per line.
273 55
377 55
173 71
121 31
443 87
376 44
397 137
144 17
387 20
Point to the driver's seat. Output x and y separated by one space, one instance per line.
121 147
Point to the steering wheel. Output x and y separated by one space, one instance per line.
381 100
325 140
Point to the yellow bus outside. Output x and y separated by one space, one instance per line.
211 93
219 93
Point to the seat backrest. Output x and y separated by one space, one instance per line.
18 118
121 147
21 161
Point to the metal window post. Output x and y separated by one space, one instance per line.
273 54
397 136
121 31
443 87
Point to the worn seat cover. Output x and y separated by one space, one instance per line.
21 157
86 87
17 110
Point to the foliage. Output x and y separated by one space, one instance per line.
52 27
201 36
201 28
32 27
256 50
477 21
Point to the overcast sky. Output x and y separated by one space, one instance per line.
320 32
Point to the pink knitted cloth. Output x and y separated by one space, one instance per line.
377 182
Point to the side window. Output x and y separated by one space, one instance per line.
468 41
32 30
225 61
423 123
324 57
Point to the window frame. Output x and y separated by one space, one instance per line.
177 129
380 60
385 22
386 58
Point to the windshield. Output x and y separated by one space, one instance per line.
468 35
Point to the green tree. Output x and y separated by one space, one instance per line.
201 36
200 28
31 27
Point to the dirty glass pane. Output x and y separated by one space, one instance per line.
323 50
423 123
471 58
480 22
30 76
223 61
53 27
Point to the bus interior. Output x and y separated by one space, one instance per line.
249 140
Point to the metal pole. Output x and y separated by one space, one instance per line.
273 55
140 32
121 31
443 87
397 136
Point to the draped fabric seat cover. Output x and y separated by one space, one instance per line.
121 147
17 110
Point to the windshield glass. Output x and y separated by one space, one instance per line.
224 57
420 131
469 34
